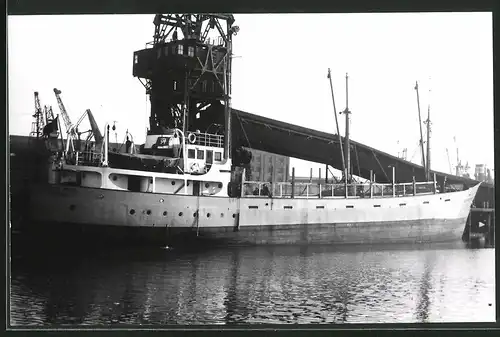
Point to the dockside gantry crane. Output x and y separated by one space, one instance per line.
186 71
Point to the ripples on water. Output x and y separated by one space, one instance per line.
255 285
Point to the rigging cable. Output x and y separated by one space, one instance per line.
243 128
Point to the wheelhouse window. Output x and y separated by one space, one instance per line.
166 51
191 51
218 156
136 59
200 154
180 50
204 86
175 85
210 157
191 153
158 53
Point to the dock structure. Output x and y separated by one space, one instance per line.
474 232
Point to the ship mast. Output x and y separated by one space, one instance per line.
336 122
347 143
420 124
428 123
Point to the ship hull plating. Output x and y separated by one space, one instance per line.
106 216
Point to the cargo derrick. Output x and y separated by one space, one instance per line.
186 71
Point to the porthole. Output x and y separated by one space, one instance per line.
180 213
165 213
195 214
114 178
207 185
208 215
220 185
148 212
234 215
222 215
132 212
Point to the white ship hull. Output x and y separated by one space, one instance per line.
111 214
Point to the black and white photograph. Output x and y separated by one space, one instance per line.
184 169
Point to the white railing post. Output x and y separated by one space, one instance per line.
435 184
393 181
345 183
404 190
319 182
414 186
281 190
242 192
106 145
307 191
371 183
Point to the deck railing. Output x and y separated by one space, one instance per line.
313 190
205 139
84 158
214 41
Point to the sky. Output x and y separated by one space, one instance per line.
281 73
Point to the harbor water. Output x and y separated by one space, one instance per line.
270 285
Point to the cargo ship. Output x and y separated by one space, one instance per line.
187 184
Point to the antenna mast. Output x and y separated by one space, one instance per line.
347 143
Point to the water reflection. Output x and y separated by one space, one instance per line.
425 287
255 285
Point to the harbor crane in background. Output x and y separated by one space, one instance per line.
460 169
49 114
39 122
42 126
449 162
72 129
